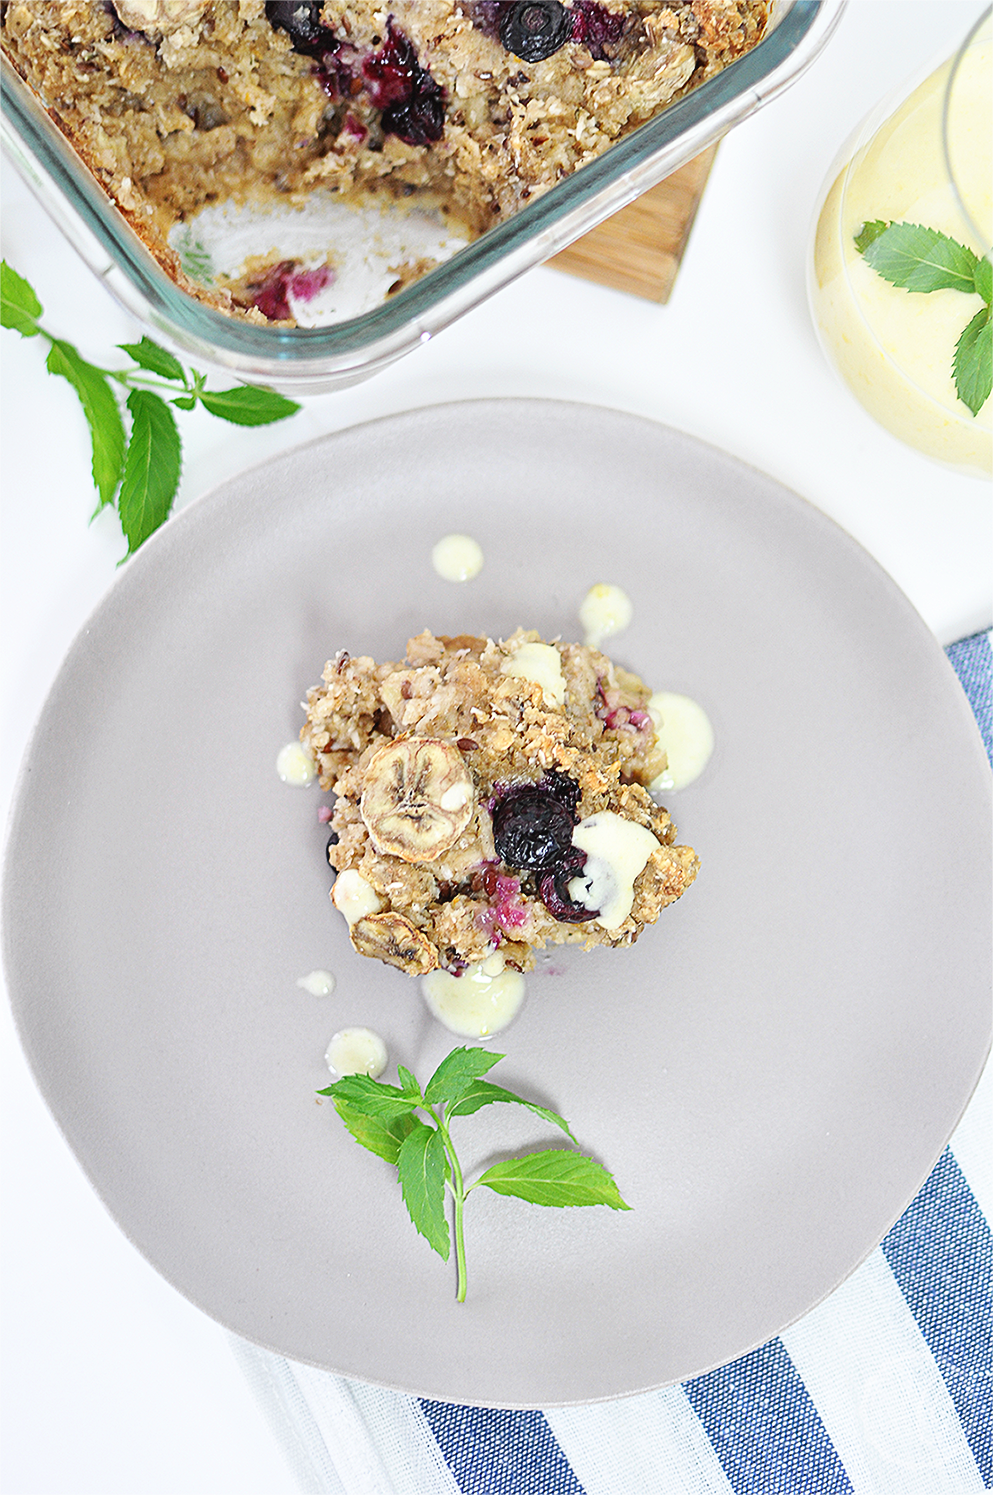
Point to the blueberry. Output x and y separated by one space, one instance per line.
271 293
597 28
564 789
420 121
301 20
533 29
531 829
412 104
553 890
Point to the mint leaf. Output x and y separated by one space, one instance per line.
384 1138
194 257
148 355
185 402
558 1178
19 306
151 468
372 1097
456 1073
482 1093
983 279
421 1165
409 1085
868 232
972 366
248 406
923 259
102 413
918 258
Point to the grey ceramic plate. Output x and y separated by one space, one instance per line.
770 1073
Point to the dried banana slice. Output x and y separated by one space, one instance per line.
418 798
164 16
392 938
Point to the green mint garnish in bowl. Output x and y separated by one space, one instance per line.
920 259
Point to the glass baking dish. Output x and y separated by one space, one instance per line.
313 360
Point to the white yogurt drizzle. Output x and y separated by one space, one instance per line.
483 1000
683 729
604 611
295 766
357 1051
318 983
354 897
457 558
542 664
616 852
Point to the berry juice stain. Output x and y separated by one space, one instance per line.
411 102
271 295
595 27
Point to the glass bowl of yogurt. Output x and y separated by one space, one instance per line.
922 159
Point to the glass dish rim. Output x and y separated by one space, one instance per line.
361 344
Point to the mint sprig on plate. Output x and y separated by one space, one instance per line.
137 468
384 1119
923 259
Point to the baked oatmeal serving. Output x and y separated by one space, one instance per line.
491 797
465 108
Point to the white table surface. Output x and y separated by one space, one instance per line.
112 1383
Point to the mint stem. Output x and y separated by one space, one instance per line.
129 379
457 1186
141 381
460 1247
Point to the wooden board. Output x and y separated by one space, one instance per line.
639 250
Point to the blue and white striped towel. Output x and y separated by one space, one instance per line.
885 1389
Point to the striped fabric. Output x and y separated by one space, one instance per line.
884 1389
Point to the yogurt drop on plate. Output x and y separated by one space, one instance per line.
295 766
357 1051
457 558
483 1000
318 983
683 729
604 611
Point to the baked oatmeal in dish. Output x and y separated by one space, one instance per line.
491 796
467 109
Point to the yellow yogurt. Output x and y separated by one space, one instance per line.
483 1000
893 347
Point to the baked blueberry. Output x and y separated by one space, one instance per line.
533 29
553 890
412 104
532 829
301 20
597 28
564 789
